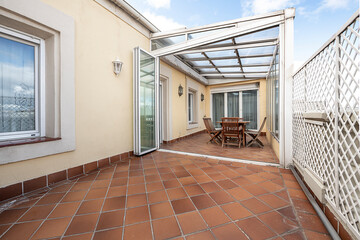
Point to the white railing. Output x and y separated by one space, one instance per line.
326 135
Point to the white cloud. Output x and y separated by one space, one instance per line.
323 6
334 4
162 22
159 3
254 7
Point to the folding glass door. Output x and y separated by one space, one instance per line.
146 95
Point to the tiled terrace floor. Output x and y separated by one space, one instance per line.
198 144
168 196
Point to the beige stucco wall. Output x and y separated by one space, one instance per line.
178 120
273 142
262 96
103 101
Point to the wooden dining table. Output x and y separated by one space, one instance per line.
243 125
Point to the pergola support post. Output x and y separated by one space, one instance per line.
286 34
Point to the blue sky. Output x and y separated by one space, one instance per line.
315 21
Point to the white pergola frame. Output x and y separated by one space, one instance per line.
235 28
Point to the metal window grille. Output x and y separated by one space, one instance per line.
329 85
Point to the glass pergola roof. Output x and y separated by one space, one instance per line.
225 50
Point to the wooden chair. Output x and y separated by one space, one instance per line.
254 135
214 134
231 131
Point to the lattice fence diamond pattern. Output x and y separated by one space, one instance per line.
330 84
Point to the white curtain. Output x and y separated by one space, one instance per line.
249 105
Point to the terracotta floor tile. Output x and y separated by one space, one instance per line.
159 196
50 198
182 205
288 212
154 186
255 189
214 216
138 231
90 206
207 235
295 193
221 197
136 215
202 201
173 183
193 190
116 182
255 229
82 224
110 219
160 210
84 236
136 180
241 181
4 228
136 189
315 235
136 200
96 193
311 222
117 191
165 228
100 184
152 178
210 187
176 193
203 179
273 201
303 205
239 193
187 181
65 210
74 196
81 186
114 203
21 231
255 206
270 186
277 222
191 222
111 234
227 184
37 213
298 235
228 231
52 228
11 215
236 211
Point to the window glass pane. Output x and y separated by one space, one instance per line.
164 42
190 107
249 108
17 86
147 101
233 104
206 33
268 33
218 108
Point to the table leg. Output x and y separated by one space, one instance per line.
243 133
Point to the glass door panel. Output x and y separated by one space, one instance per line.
249 108
218 110
145 102
233 104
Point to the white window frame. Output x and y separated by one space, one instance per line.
240 89
39 56
191 107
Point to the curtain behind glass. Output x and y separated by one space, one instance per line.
218 108
17 86
249 106
233 104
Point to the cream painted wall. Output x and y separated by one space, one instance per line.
179 126
262 96
273 142
103 101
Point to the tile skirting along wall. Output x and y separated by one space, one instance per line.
21 188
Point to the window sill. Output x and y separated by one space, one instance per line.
26 141
192 125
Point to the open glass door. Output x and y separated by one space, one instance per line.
146 95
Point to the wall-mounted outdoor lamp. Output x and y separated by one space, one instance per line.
117 66
180 90
202 97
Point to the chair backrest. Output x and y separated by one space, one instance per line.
230 126
208 124
262 125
